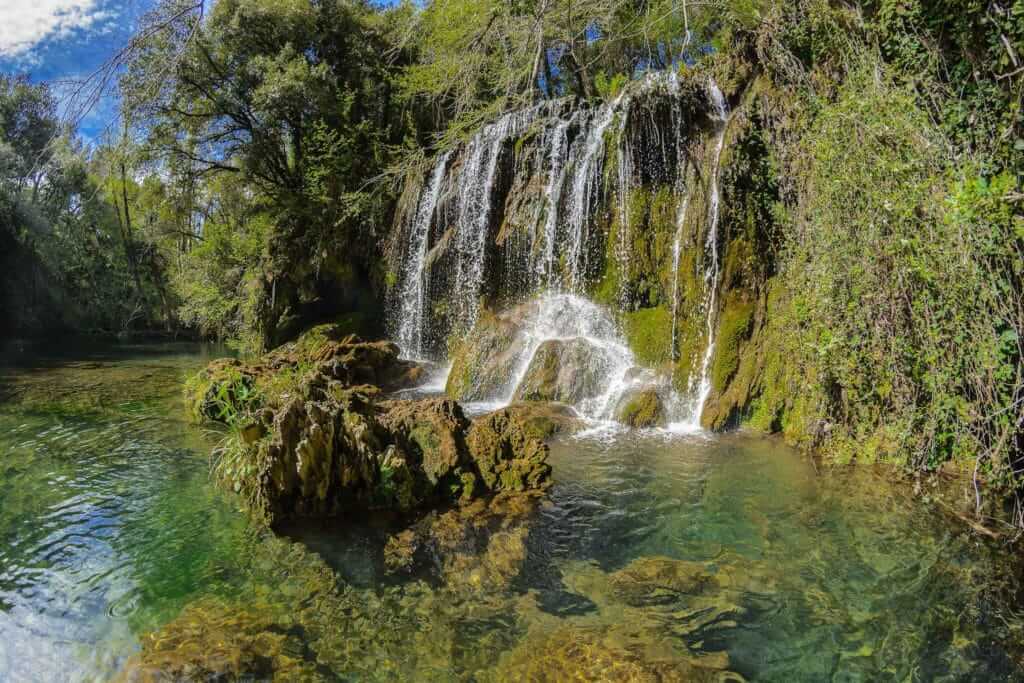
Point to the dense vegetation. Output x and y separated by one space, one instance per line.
249 189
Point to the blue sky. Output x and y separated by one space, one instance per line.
57 40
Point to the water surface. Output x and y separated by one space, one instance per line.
653 552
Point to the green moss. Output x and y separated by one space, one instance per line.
649 333
733 330
643 409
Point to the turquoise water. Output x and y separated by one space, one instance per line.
653 553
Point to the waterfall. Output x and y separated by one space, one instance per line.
557 159
702 390
546 244
413 290
476 182
683 190
588 162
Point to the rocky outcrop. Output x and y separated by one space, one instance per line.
507 453
314 437
229 386
569 371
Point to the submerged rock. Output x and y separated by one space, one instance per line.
211 640
478 547
600 652
641 408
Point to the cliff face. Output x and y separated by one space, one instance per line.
655 204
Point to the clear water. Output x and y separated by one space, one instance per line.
110 529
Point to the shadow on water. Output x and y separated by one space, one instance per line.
655 557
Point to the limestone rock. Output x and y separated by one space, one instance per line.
544 419
507 453
486 359
564 370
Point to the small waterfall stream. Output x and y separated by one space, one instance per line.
412 316
476 182
557 161
588 164
701 389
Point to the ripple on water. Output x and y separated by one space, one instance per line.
655 552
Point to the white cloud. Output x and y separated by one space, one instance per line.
26 23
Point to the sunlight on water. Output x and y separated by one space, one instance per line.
657 556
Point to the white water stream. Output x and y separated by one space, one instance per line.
690 418
413 317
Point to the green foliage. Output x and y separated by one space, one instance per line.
69 256
904 287
609 87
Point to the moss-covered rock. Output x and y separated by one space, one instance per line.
507 453
311 435
484 361
733 329
642 408
228 389
568 370
544 419
649 333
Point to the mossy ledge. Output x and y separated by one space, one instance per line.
313 432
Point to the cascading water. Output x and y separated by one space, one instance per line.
545 271
588 163
474 211
677 246
702 389
554 232
415 277
570 318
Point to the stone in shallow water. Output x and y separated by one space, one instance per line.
212 640
544 419
507 453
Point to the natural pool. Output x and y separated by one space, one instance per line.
655 557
